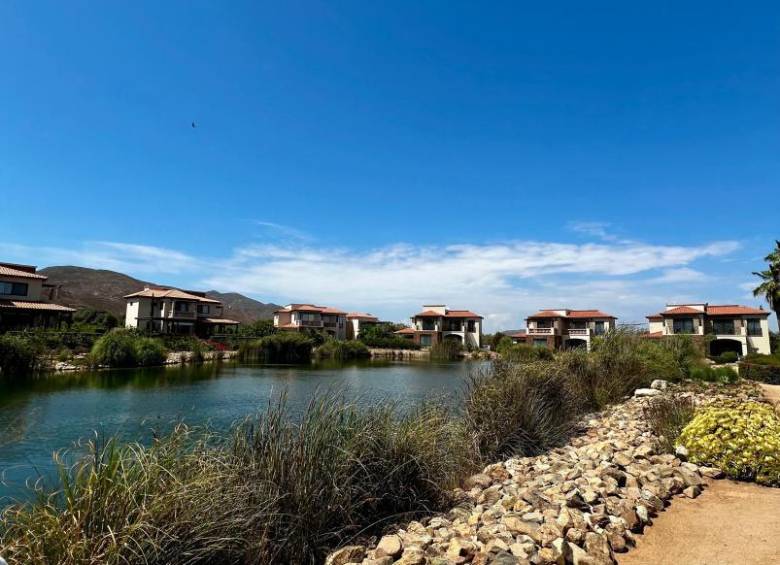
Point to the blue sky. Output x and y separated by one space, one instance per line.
375 156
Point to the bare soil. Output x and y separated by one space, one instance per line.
731 523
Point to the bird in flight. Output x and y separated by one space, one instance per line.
194 125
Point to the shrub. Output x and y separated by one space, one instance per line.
285 347
149 352
19 357
521 352
727 357
742 439
125 348
447 350
760 372
342 350
714 375
382 336
115 349
517 409
668 417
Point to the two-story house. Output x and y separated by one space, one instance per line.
728 327
437 323
566 328
174 311
301 317
21 300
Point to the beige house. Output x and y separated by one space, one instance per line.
566 328
436 323
730 327
173 311
302 317
23 304
358 320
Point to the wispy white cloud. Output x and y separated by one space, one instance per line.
504 282
282 231
592 229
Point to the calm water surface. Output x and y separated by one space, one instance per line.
42 416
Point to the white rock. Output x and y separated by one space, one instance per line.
646 392
659 384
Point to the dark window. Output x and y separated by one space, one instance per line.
13 288
600 330
471 326
544 324
723 327
203 308
428 324
683 325
425 340
754 326
540 342
182 307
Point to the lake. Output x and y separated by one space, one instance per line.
41 416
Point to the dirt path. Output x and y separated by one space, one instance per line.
731 523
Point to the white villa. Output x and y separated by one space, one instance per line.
741 329
566 328
436 323
358 320
173 311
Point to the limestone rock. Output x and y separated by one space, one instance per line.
389 546
347 554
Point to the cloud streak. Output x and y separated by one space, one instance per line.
503 281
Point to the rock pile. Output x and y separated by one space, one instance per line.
578 504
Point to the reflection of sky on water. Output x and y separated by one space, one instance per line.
40 417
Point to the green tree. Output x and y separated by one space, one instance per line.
770 285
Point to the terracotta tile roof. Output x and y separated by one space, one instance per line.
734 310
406 331
516 333
28 305
170 293
577 314
11 270
329 310
225 321
310 308
447 314
681 310
362 316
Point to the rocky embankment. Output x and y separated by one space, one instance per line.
581 503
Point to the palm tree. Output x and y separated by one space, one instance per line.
770 287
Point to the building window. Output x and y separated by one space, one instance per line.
428 324
723 327
13 288
682 326
754 327
203 308
471 326
544 324
182 306
540 343
600 329
425 340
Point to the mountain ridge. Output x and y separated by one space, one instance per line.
102 289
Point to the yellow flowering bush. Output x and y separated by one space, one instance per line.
742 439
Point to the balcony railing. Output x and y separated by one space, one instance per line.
182 315
310 323
540 331
579 331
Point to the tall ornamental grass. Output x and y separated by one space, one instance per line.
284 347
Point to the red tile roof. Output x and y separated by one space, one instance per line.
173 293
29 305
362 316
310 308
224 321
516 333
406 331
578 314
734 310
21 271
681 310
329 310
447 314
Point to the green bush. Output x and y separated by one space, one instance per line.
284 347
19 357
149 352
447 350
667 417
714 375
742 439
342 350
727 357
382 336
517 409
125 348
521 352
